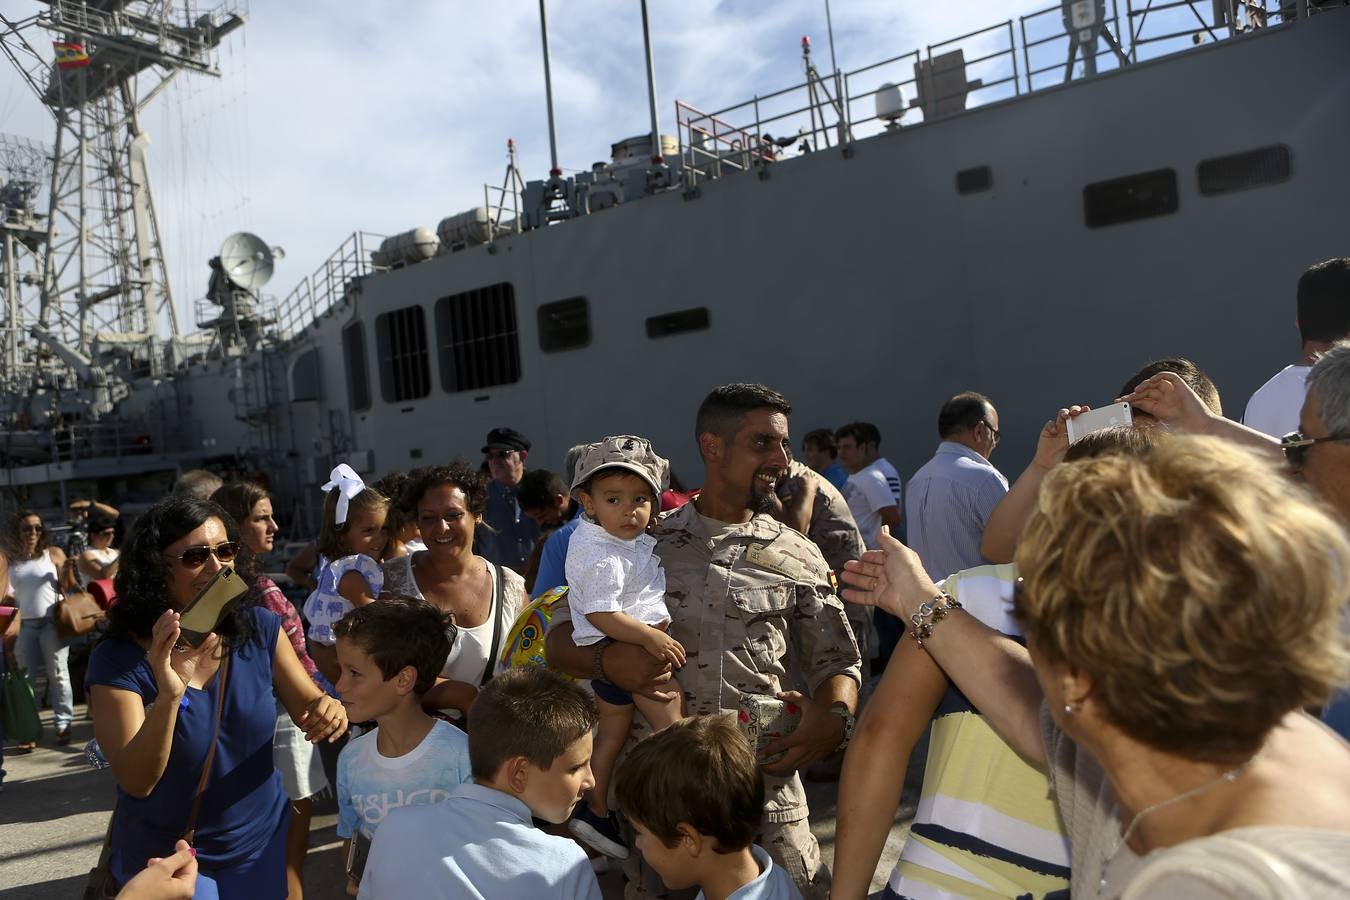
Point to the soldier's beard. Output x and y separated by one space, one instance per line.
760 502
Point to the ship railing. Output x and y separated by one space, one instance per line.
317 293
107 439
1005 60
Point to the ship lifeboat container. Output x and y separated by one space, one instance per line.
406 249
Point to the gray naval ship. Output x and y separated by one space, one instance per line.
1032 210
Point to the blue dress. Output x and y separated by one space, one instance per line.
244 805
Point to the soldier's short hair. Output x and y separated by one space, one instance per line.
723 410
530 712
699 772
861 432
1324 301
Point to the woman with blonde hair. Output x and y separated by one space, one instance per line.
1181 610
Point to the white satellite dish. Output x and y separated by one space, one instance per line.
246 260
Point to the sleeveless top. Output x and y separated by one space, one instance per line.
103 557
325 606
34 582
986 824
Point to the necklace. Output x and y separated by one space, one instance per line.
1226 778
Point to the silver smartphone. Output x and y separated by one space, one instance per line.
1097 419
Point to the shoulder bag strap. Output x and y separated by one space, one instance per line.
221 677
499 599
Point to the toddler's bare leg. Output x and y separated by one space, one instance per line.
662 713
610 734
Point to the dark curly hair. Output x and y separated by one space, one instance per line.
15 540
141 582
457 474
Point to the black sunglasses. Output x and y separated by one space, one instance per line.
992 430
1295 446
196 557
500 454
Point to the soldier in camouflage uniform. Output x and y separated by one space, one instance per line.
741 588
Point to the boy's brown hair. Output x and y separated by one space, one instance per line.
700 771
399 631
529 712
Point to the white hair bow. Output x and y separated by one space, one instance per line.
348 484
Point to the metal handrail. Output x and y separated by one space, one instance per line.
317 293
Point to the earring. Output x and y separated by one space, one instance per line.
1071 708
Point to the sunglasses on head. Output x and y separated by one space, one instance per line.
196 557
1296 446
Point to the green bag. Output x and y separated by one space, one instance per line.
18 707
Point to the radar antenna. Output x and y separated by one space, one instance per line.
102 270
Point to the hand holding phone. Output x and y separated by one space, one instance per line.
213 602
1082 425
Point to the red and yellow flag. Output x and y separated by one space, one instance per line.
70 55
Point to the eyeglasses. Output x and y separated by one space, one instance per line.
30 529
195 557
1295 446
500 454
992 430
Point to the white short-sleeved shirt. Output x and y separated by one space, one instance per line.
609 574
867 493
1275 406
325 606
370 785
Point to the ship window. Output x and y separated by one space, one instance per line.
1141 196
564 325
305 376
695 319
405 373
358 380
971 181
1239 171
479 343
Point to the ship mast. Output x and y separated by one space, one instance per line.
102 291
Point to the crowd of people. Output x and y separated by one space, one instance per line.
1131 662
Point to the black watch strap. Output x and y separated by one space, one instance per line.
598 659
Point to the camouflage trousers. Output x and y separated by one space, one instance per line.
790 845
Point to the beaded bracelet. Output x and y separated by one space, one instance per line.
929 614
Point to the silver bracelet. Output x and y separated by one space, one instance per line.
929 614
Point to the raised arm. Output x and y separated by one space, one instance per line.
874 768
992 670
1169 399
1004 527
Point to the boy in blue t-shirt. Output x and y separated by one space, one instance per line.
390 652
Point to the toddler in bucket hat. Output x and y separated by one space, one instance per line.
617 591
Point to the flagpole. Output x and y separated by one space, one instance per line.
553 171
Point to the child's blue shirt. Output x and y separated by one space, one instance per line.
369 785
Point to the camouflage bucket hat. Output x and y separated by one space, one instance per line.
624 451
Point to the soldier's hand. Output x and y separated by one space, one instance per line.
891 578
638 672
819 733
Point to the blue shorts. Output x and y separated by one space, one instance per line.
611 694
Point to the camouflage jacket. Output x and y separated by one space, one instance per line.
832 528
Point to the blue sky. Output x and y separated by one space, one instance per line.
333 117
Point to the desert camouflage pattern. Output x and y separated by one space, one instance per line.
833 530
624 451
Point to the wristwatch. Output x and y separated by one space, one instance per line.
840 709
598 659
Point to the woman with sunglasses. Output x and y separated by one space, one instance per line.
38 574
1181 610
155 701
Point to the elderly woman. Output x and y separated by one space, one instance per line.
484 598
1181 609
156 703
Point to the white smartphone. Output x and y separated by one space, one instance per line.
1097 419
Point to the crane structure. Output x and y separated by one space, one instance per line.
86 290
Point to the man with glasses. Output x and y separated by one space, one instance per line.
514 533
948 501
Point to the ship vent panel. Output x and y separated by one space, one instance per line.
564 325
1133 197
478 339
358 379
695 319
405 371
972 181
1240 171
